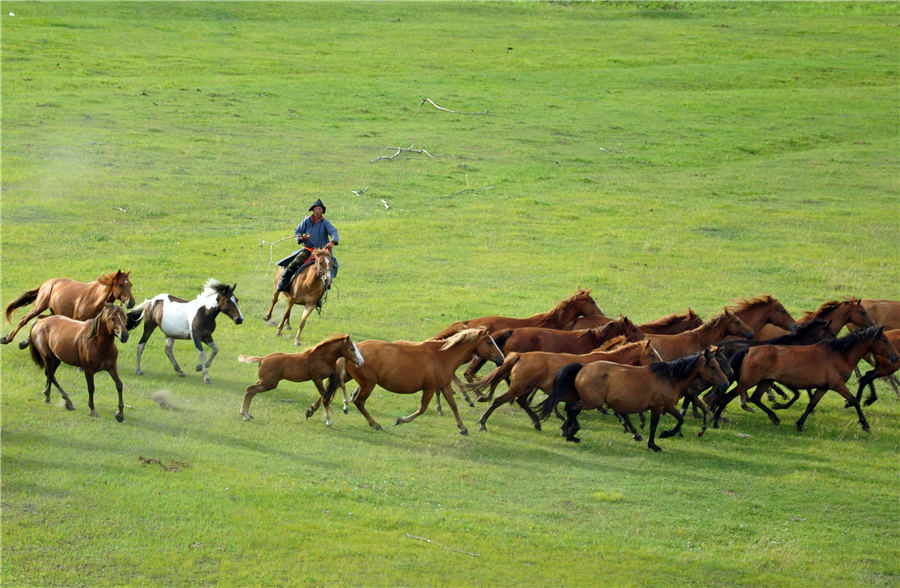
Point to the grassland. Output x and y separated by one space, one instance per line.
665 155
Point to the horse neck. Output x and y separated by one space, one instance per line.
755 316
854 354
460 352
712 330
559 317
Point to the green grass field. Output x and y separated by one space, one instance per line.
665 155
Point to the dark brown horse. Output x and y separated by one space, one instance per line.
560 341
837 312
406 367
887 314
883 369
822 366
535 370
316 364
761 311
307 289
667 325
690 342
77 300
630 389
89 345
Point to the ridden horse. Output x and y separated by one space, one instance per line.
823 366
307 288
405 367
77 300
535 370
669 324
761 311
182 319
315 364
629 389
712 331
883 369
837 312
89 345
562 316
560 341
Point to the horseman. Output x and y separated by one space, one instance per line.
314 232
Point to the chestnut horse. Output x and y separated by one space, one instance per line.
887 314
690 342
560 341
837 312
669 324
307 288
562 316
535 370
182 319
630 389
315 364
405 367
89 345
761 311
883 369
823 366
77 300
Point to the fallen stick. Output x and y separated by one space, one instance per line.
410 149
430 101
444 546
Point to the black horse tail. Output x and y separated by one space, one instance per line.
337 378
26 298
135 317
36 356
563 385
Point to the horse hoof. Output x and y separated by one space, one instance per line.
120 417
573 439
199 368
376 426
481 427
638 438
346 410
4 340
139 372
247 416
537 426
206 380
69 406
464 431
94 414
181 375
655 448
865 428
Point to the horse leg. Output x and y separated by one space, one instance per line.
359 400
629 426
37 309
522 401
426 400
320 401
89 378
473 368
841 389
462 390
268 314
306 312
720 406
570 426
676 430
251 391
695 400
437 405
654 421
202 365
215 351
813 401
170 343
149 327
286 316
448 395
114 374
756 399
52 363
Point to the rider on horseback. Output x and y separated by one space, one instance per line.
313 232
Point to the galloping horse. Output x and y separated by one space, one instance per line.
535 370
761 311
837 312
887 314
315 364
77 300
823 366
182 319
689 342
307 288
667 325
629 389
89 345
562 316
883 369
405 367
561 341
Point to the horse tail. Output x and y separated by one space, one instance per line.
136 315
249 359
26 298
563 385
36 356
495 377
337 378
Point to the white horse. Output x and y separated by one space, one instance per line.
182 319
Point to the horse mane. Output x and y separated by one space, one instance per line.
715 320
751 302
677 369
845 343
801 331
826 307
560 308
329 340
109 280
95 322
463 336
673 318
213 287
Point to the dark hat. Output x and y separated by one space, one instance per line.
318 203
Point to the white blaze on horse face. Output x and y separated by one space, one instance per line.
359 357
240 314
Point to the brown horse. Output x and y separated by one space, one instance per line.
669 324
560 341
761 311
883 369
887 314
630 389
307 289
690 342
535 370
837 312
315 364
405 367
821 366
89 345
77 300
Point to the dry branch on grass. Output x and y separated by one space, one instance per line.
430 101
410 149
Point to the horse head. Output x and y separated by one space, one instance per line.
113 319
735 326
228 302
351 352
856 313
711 371
119 286
585 305
882 346
323 262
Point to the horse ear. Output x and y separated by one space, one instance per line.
233 287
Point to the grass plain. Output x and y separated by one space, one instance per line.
666 155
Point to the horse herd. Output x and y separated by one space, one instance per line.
575 354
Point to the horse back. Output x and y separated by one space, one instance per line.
403 367
59 336
884 312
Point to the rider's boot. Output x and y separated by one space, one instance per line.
284 285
